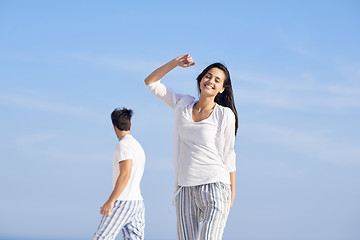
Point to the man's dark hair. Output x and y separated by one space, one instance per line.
121 118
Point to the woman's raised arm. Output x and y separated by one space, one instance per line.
182 61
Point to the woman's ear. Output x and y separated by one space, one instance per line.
222 90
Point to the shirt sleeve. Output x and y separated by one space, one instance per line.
229 137
165 94
125 151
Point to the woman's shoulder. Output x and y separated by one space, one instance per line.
226 113
225 110
185 100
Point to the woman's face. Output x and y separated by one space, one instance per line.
213 82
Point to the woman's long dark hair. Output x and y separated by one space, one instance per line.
226 98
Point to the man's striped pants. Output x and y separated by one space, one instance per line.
127 217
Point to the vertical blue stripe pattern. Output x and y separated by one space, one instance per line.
127 217
207 204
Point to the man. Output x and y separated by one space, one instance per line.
124 211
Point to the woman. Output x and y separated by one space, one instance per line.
203 149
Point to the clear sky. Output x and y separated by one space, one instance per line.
295 68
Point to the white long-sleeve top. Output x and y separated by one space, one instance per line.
203 152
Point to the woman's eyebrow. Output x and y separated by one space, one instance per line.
212 75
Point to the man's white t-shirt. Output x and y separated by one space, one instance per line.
129 148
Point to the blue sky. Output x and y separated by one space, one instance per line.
295 67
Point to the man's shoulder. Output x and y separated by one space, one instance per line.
126 141
129 142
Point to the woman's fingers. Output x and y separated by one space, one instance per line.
189 60
185 61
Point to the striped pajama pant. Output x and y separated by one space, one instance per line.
127 217
208 204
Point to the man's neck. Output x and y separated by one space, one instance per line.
121 134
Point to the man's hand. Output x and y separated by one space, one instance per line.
125 172
106 209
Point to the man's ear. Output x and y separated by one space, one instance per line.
130 125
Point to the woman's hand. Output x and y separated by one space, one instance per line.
181 61
232 187
184 61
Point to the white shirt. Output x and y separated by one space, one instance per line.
203 152
129 148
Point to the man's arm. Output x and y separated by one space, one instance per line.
125 172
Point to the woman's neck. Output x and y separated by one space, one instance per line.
205 103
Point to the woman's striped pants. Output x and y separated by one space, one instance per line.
207 205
